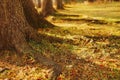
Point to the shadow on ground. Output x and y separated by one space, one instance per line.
75 68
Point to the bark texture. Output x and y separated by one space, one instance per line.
47 7
15 32
33 17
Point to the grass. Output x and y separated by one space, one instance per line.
95 30
98 10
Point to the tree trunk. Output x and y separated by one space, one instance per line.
33 17
39 3
47 7
90 0
15 31
58 4
67 1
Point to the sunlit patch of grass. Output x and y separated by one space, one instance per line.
97 36
74 20
96 40
97 10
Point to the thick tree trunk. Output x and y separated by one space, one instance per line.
33 17
58 4
47 7
15 31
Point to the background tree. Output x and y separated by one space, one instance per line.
58 4
35 2
15 32
33 17
47 7
39 3
66 1
90 0
70 1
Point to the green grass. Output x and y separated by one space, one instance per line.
95 29
108 11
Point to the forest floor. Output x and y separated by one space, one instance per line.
92 54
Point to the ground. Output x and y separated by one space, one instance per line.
90 48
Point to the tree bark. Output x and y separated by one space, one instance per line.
39 3
33 17
69 1
15 32
58 4
47 7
